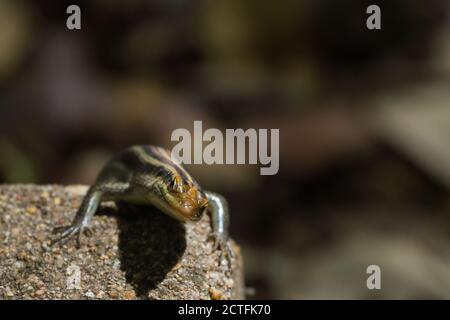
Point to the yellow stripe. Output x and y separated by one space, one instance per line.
167 155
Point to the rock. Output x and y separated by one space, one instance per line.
133 252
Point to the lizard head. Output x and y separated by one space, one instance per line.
182 198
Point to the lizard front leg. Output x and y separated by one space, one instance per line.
220 218
91 201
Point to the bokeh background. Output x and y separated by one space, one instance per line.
364 123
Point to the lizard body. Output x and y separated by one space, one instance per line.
148 175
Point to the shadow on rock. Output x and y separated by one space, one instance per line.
150 245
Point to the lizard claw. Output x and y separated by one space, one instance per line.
64 233
222 244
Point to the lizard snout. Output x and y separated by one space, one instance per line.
193 204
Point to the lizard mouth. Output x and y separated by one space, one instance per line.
192 204
188 205
192 210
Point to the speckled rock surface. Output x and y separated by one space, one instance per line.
133 252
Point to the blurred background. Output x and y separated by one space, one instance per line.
364 123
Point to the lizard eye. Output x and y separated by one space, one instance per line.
173 184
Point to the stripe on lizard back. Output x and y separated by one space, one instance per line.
162 163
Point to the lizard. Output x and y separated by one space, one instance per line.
147 175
